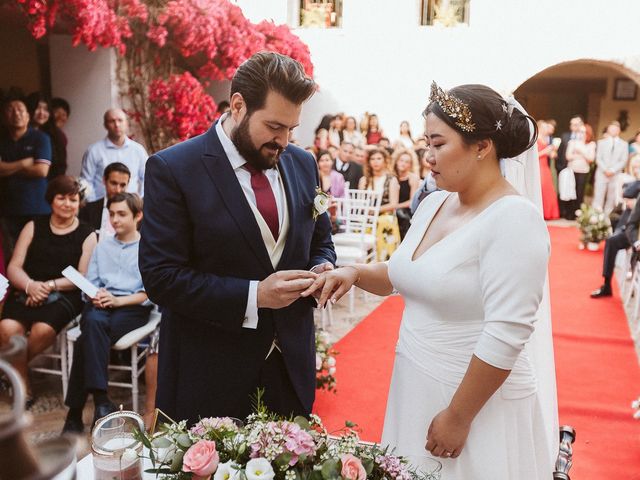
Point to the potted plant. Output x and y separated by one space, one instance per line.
594 224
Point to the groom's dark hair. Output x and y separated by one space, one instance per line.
269 71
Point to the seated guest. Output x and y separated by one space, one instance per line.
41 301
41 119
116 178
351 171
115 147
25 158
378 177
120 306
624 236
331 181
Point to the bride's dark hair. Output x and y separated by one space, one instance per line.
492 117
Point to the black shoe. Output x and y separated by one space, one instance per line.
102 410
603 291
73 425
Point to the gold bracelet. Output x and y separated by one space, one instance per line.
357 271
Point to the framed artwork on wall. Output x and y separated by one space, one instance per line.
625 89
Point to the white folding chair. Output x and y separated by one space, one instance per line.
56 358
130 341
359 214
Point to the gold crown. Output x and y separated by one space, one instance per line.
453 107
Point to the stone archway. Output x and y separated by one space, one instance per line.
585 87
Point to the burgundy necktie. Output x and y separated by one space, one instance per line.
265 200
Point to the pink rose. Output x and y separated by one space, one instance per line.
352 468
201 459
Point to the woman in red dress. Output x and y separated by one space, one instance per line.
549 195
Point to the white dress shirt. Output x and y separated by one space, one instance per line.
244 178
106 229
103 153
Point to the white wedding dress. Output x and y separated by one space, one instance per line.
476 292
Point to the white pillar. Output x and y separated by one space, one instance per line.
87 81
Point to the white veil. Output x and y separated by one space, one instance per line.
523 172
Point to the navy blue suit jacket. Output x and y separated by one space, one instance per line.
200 247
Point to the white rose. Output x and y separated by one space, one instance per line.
259 469
324 337
321 204
578 213
332 371
593 220
637 415
227 471
331 361
635 404
318 362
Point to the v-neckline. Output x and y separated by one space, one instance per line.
414 259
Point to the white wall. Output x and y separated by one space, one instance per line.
87 81
382 61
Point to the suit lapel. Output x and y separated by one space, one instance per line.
289 180
224 178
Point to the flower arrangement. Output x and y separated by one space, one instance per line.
594 224
268 447
320 203
636 406
325 362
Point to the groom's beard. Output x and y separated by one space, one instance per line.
242 140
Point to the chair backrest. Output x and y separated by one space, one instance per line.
361 209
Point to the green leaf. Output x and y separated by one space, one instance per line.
184 441
283 459
350 424
161 442
367 463
330 469
302 422
176 464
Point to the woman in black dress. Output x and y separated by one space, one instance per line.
41 301
405 166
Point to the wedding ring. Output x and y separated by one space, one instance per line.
446 453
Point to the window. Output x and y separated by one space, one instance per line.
447 13
320 13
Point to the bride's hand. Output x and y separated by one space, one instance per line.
447 434
332 285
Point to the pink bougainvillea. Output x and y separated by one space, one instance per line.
181 105
170 49
279 38
94 23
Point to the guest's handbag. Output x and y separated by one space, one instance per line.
567 185
403 214
53 297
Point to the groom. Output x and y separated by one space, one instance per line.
229 242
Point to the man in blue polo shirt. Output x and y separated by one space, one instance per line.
25 158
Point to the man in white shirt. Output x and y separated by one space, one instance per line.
611 159
229 236
115 147
116 179
352 172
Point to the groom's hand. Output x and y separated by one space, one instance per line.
281 289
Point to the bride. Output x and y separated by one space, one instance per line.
472 271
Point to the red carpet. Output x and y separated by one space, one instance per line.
597 368
596 365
